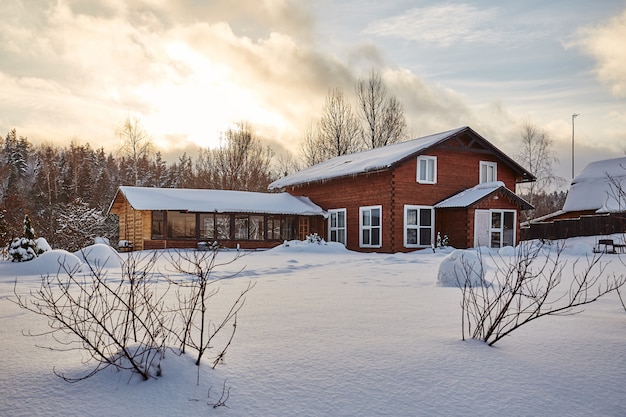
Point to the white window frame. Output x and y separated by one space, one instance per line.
425 159
485 166
418 226
336 228
369 227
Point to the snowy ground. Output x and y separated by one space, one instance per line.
327 332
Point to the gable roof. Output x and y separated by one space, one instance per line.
473 195
217 201
383 158
592 188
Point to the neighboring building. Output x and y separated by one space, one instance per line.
399 197
595 205
600 188
158 218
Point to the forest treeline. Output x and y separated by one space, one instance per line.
67 190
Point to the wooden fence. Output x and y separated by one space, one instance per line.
595 225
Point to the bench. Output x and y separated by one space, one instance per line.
609 246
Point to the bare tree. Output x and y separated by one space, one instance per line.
536 154
383 116
338 129
311 150
527 289
285 164
241 161
136 144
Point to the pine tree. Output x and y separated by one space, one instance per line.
24 248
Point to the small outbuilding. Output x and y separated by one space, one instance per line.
159 218
595 205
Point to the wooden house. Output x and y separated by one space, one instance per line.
401 197
159 218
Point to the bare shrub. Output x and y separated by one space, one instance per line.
118 322
194 292
528 288
125 322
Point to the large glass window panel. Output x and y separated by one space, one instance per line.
222 226
181 225
256 231
207 225
158 224
241 226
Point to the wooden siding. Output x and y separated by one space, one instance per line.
351 193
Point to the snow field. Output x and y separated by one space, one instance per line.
327 332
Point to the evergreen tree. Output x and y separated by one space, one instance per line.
24 248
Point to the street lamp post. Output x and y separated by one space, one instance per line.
573 117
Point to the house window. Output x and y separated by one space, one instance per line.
419 222
337 226
427 169
371 227
181 225
158 224
488 172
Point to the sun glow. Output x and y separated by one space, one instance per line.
198 99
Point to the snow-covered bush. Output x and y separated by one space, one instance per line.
25 248
315 238
22 249
461 268
79 225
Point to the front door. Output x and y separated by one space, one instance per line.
303 228
494 228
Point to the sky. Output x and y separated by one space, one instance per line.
190 69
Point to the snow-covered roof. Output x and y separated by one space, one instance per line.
367 161
220 201
472 195
592 188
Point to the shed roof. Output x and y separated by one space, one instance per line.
220 201
380 159
473 195
598 186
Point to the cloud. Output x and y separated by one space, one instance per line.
186 72
605 43
443 25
